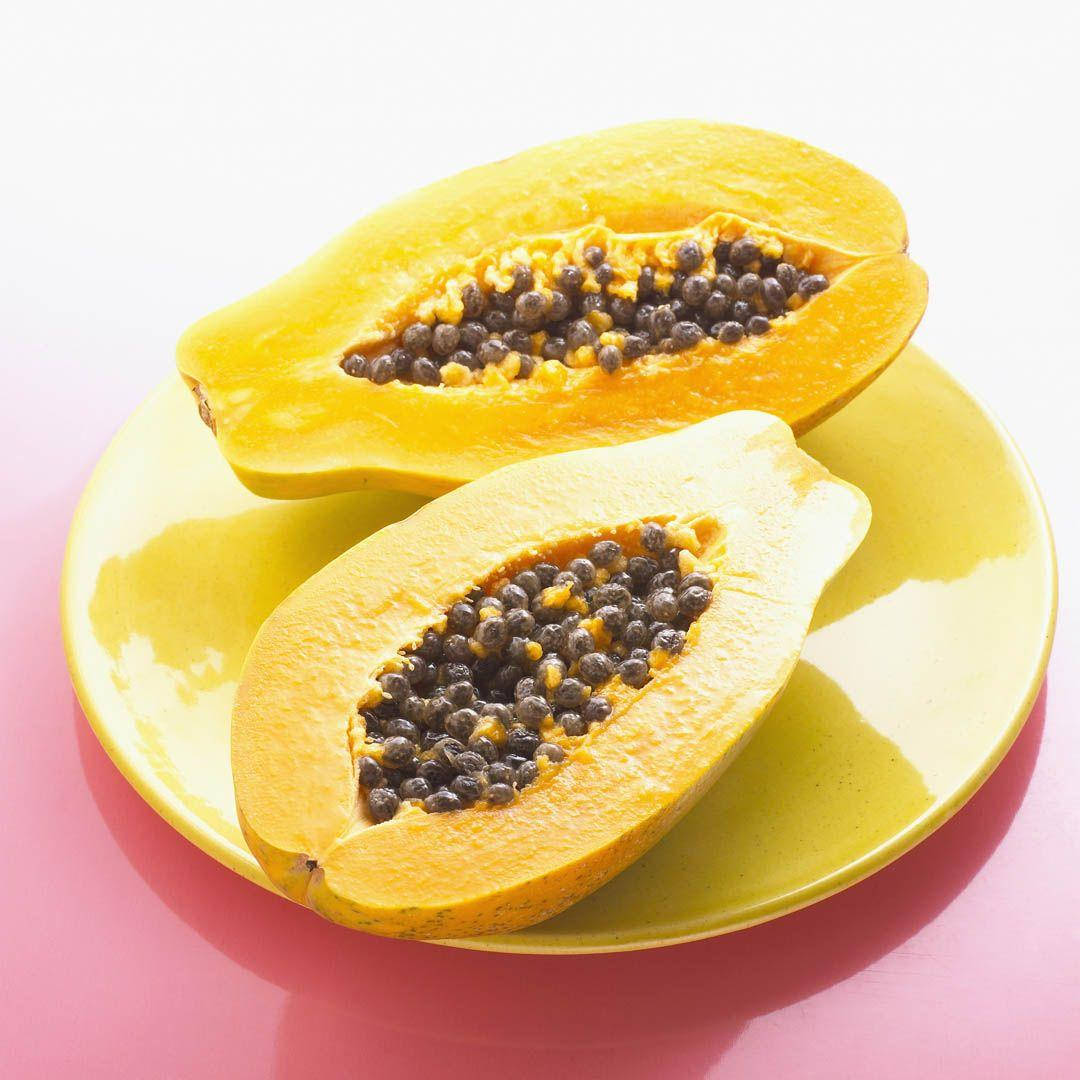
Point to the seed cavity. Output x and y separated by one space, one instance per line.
520 670
534 314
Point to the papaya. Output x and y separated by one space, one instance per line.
593 291
480 714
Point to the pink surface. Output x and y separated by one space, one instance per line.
128 952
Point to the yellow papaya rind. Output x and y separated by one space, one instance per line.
292 424
787 526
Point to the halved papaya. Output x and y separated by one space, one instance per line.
602 230
391 776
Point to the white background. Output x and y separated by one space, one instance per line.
157 161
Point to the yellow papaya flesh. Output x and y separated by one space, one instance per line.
772 525
267 371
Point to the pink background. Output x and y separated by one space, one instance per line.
165 163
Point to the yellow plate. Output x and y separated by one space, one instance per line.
926 654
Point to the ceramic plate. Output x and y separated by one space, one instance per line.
923 662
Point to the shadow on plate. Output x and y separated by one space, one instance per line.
361 1004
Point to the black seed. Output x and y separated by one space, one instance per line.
522 280
571 278
596 668
583 570
595 710
398 751
552 752
456 649
415 787
634 673
395 686
580 333
757 324
532 709
470 762
670 640
570 693
435 772
497 321
749 286
689 256
612 594
559 306
554 348
513 596
518 341
641 569
522 741
500 794
610 359
520 623
604 552
545 574
381 370
661 322
788 277
492 633
696 579
383 804
730 332
635 346
726 285
653 536
687 334
461 618
430 647
402 728
773 296
526 774
531 306
662 605
696 289
813 284
572 723
403 361
613 618
460 724
355 365
499 772
646 283
369 771
664 579
693 601
447 751
636 634
578 642
472 301
441 802
742 311
593 255
744 251
444 339
485 748
622 311
417 338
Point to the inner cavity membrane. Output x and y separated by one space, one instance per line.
537 313
520 670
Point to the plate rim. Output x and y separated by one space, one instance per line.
213 844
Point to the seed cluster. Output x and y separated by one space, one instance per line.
734 291
470 714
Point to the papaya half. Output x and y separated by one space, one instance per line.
593 291
480 714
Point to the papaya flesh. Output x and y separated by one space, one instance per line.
267 372
771 525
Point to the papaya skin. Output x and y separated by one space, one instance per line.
291 423
774 524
